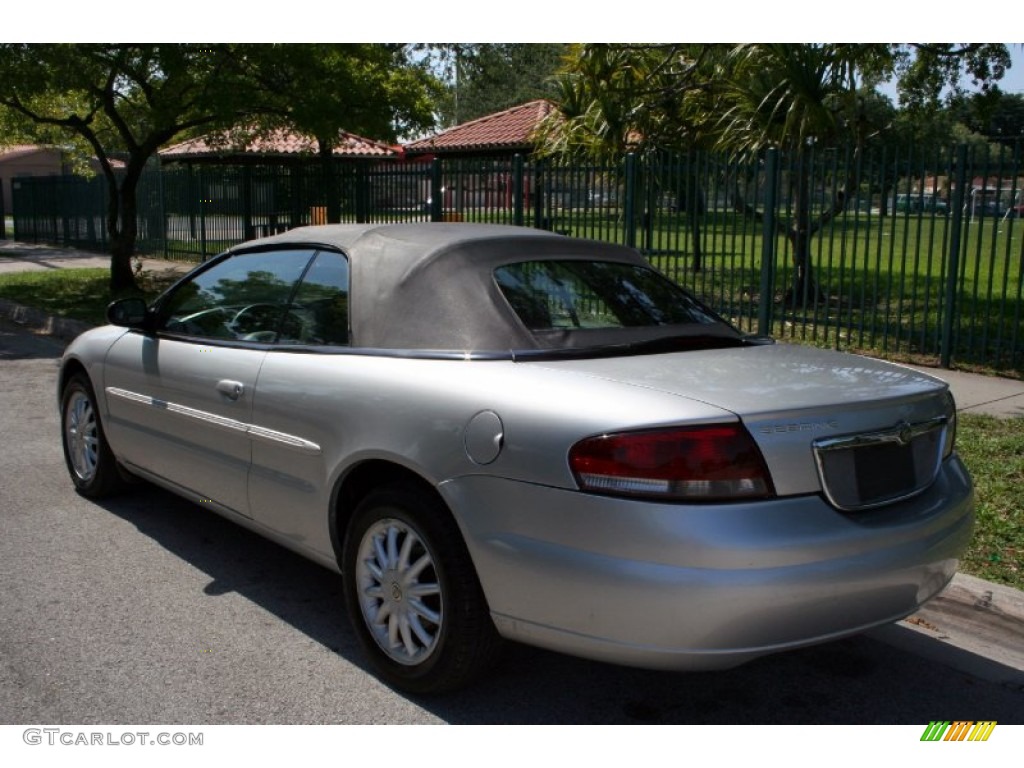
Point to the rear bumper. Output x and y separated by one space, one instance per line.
703 587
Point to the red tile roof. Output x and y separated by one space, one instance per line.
21 150
17 150
277 143
508 130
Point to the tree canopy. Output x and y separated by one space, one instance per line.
746 98
755 95
483 78
127 100
374 90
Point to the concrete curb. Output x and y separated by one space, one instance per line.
37 321
973 626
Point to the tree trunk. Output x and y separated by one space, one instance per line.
804 289
328 172
122 277
694 208
698 254
122 230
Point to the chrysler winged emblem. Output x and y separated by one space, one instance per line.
905 433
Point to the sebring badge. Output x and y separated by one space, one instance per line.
807 426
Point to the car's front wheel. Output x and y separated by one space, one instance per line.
413 595
90 462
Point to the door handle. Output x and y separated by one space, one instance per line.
233 389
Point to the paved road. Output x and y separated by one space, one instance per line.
149 610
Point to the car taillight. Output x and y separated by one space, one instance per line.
950 443
717 462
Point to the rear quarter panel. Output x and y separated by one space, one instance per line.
415 412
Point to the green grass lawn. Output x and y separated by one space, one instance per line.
993 449
81 294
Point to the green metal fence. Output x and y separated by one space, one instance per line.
922 259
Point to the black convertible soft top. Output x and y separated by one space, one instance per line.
431 286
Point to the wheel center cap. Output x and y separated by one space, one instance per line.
394 587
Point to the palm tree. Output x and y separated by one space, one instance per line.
795 98
615 98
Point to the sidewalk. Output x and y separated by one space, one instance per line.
27 257
973 626
976 393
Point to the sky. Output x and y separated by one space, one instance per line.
1012 82
533 21
476 21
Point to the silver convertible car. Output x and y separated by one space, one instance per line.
501 433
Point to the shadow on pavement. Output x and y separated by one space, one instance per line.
857 680
16 344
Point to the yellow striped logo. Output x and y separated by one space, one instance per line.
958 730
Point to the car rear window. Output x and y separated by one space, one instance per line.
576 295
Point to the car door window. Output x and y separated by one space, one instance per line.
321 303
244 297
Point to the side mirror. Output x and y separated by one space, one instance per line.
128 313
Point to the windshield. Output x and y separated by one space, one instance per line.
568 295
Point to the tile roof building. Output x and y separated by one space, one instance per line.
504 132
25 160
278 144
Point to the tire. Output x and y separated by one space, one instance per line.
90 462
412 593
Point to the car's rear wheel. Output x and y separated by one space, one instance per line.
413 595
90 462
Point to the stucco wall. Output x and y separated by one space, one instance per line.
26 161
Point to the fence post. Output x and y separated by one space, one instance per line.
202 214
517 190
190 198
953 270
96 214
363 193
164 234
436 192
649 169
248 230
538 194
629 206
768 242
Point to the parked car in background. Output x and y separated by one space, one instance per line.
502 433
921 203
603 198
